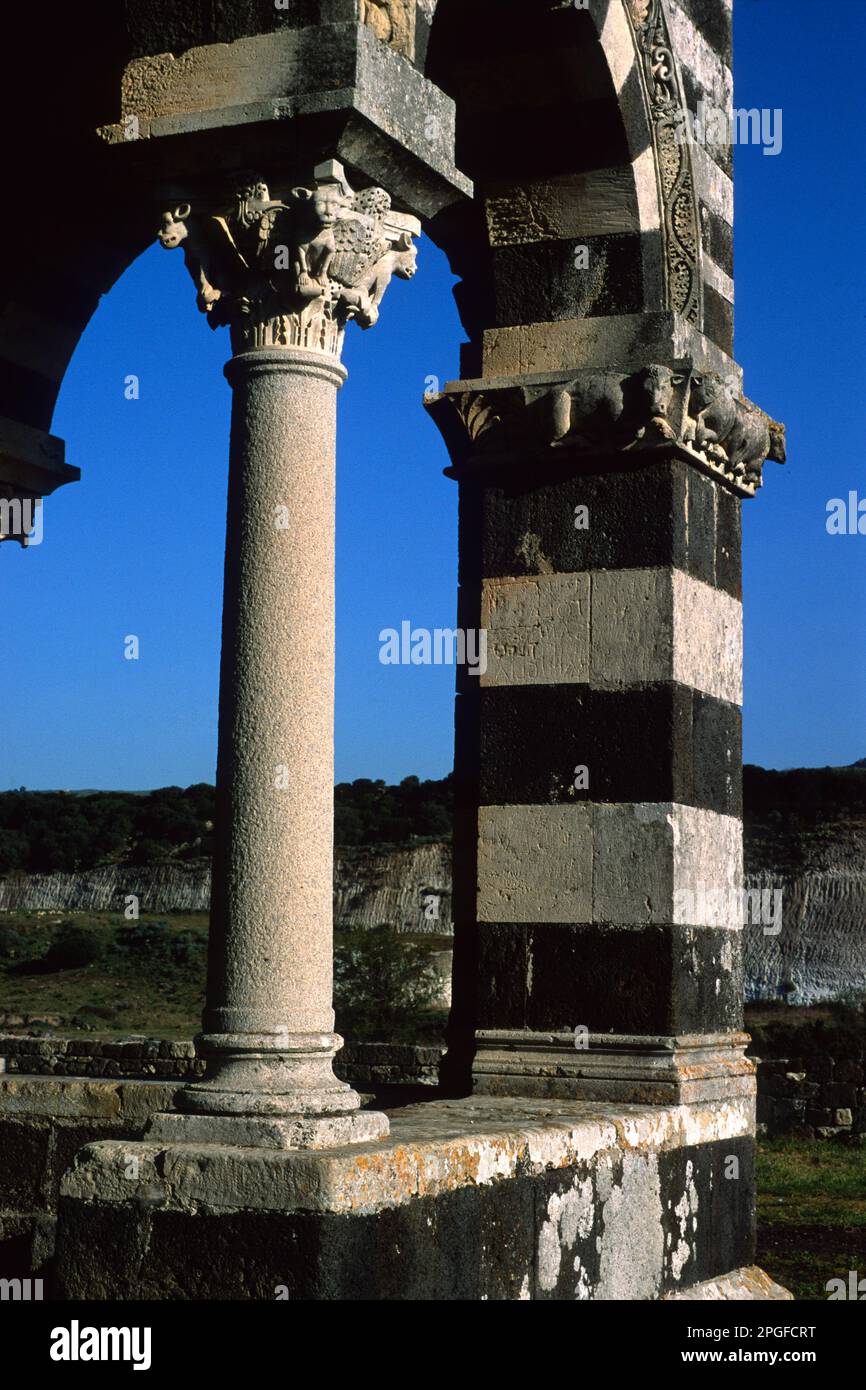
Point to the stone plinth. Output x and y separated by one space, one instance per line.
498 1199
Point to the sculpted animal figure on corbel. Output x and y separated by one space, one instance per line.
730 430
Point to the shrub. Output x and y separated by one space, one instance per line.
383 987
74 947
12 944
146 940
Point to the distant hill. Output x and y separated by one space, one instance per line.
798 819
61 832
805 817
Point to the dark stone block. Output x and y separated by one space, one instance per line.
504 962
719 319
787 1113
694 93
559 976
840 1095
642 515
718 239
660 742
25 1146
610 284
717 755
729 543
701 512
457 1247
713 19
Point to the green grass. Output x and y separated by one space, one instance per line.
118 994
811 1213
123 993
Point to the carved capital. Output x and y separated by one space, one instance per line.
293 272
604 412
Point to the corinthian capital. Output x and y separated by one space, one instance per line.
294 272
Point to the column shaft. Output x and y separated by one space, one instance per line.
269 1018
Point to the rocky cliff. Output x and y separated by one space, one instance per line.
805 838
409 888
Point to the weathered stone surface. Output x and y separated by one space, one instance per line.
740 1285
657 979
612 628
589 1202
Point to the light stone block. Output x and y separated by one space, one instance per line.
613 340
708 639
537 629
653 863
534 864
712 184
629 864
618 45
708 866
633 863
647 189
594 203
632 626
717 279
613 629
701 59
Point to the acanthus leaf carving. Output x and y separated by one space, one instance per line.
293 273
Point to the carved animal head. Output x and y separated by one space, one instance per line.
707 388
778 445
322 207
405 257
174 229
656 384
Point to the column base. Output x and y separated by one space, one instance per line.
637 1070
270 1131
269 1090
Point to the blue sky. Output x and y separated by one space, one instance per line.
136 547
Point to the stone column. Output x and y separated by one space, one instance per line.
320 259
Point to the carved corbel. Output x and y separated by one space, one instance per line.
606 411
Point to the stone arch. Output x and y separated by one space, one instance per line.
625 190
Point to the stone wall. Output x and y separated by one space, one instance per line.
364 1065
818 1096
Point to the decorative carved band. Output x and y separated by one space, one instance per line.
293 273
680 224
602 412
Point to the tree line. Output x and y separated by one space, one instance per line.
50 832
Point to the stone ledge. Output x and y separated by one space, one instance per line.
54 1098
433 1148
